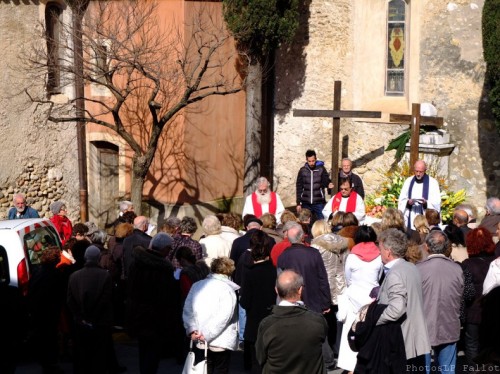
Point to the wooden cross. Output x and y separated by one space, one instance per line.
414 120
336 114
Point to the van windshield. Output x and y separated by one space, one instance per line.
37 241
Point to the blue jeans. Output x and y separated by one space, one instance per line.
316 209
446 357
242 314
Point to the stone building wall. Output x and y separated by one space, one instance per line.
448 70
41 185
36 157
452 76
306 72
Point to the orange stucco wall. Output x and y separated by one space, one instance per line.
200 154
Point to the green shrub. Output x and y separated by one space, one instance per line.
491 48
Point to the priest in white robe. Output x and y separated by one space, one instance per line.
419 193
347 200
263 200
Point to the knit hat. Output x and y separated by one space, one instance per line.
92 254
56 206
160 242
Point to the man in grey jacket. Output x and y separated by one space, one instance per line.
443 286
401 291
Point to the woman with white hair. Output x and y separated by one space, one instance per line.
210 314
213 244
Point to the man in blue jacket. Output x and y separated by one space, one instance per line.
20 209
310 186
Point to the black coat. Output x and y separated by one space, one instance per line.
137 238
154 301
383 347
478 267
89 296
489 330
308 262
47 294
241 244
311 183
257 295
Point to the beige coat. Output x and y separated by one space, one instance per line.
333 250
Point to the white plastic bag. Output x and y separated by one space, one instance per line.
189 364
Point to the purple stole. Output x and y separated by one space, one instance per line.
419 209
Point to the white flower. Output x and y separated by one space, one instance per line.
378 200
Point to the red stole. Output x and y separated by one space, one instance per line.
257 208
351 202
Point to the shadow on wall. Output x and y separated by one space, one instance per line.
488 133
292 59
290 75
195 176
488 141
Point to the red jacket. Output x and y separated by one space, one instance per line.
63 227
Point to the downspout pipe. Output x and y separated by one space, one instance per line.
78 8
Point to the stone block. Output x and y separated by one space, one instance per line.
435 137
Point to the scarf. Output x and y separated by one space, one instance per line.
419 209
351 202
257 208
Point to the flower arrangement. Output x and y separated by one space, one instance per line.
388 194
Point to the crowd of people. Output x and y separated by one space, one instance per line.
302 292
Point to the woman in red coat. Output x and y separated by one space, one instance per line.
60 221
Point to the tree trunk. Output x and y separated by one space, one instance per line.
139 172
253 126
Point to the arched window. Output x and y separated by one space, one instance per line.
53 34
396 48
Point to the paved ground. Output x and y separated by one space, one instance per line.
127 353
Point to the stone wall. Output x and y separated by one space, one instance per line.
41 185
306 72
449 72
453 77
37 157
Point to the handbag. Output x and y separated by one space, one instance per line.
190 367
359 331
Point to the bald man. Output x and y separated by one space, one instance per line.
461 219
419 193
139 237
290 339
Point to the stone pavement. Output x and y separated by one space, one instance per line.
127 353
128 356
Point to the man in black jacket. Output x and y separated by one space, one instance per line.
89 300
310 186
137 238
346 171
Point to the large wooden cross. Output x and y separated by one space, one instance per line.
415 120
336 114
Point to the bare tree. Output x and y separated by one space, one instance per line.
146 70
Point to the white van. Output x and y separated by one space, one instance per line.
22 241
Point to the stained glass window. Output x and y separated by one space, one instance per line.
396 48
